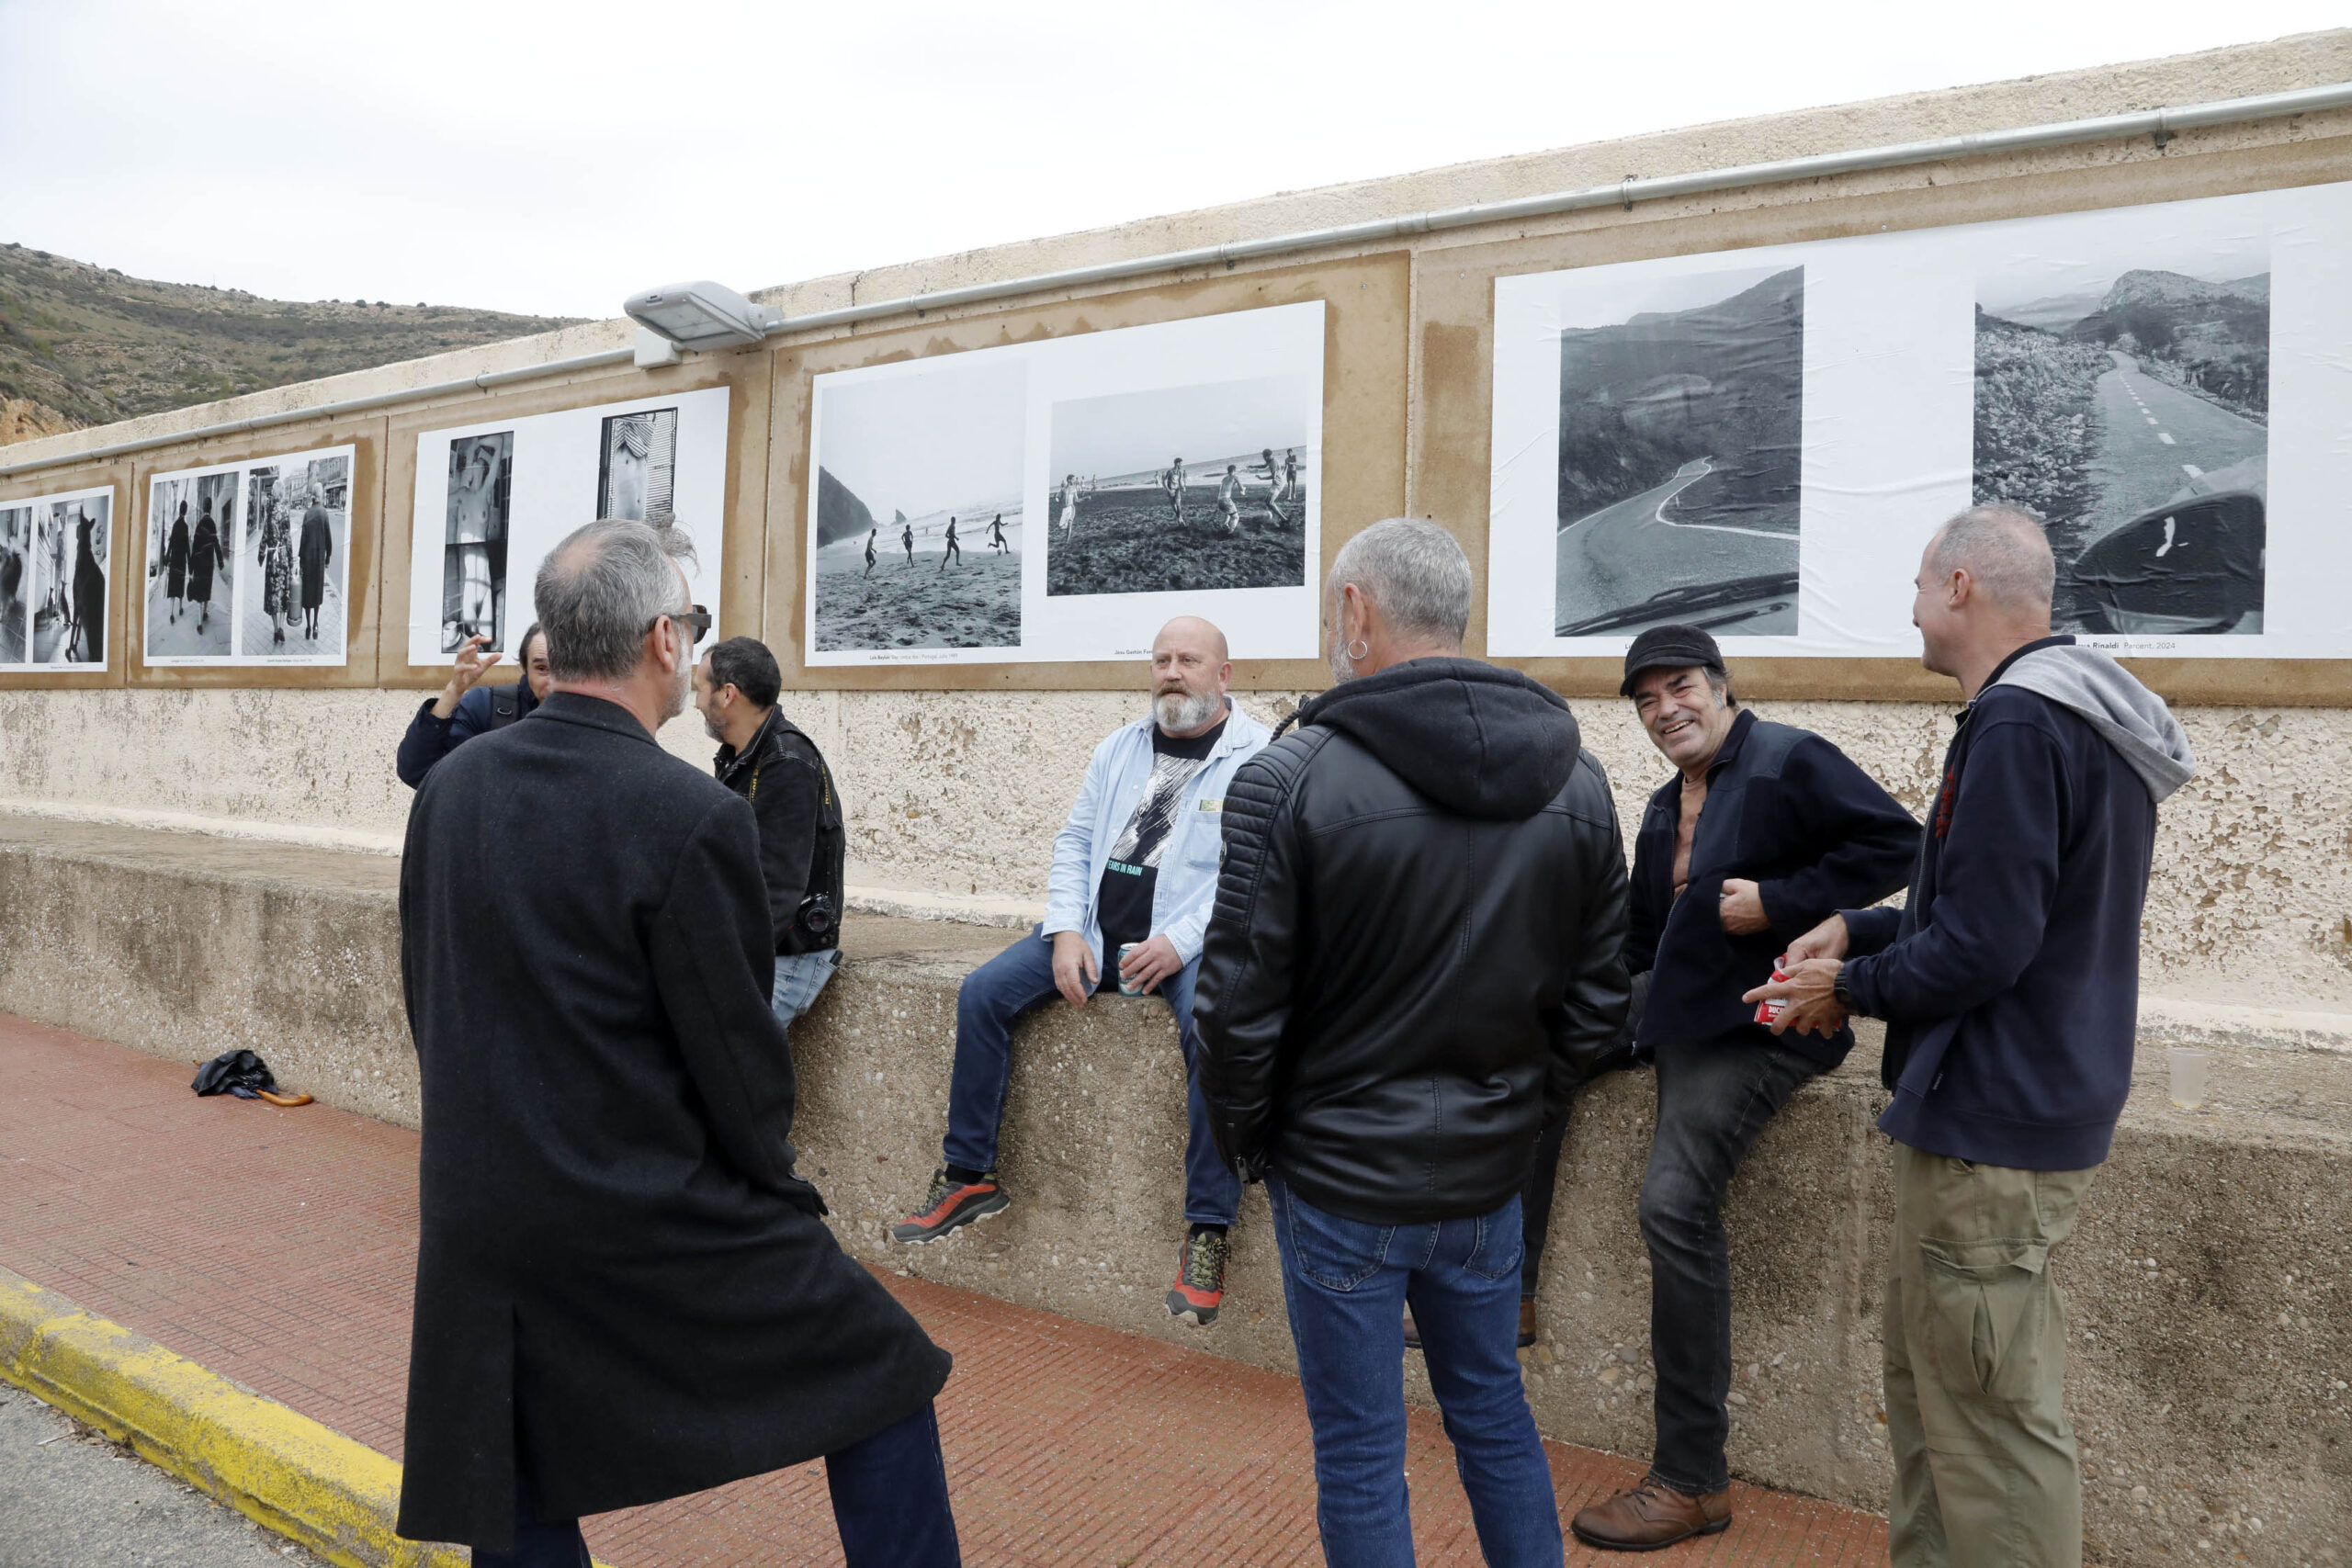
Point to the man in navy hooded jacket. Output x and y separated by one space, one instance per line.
2010 982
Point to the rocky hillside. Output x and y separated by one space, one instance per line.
82 345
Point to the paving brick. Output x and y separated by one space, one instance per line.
278 1247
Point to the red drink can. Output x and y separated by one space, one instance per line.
1769 1011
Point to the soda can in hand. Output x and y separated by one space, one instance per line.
1770 1009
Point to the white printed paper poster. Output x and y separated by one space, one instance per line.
1060 501
1761 441
495 497
55 564
250 562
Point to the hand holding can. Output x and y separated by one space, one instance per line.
1769 1011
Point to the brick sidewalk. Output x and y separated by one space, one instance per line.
276 1247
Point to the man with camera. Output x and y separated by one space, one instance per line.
768 762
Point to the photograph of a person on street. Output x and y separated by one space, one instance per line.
293 553
2123 397
474 572
1182 488
70 623
16 582
190 520
1681 457
936 458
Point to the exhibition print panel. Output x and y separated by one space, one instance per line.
1761 441
55 564
249 563
1170 469
493 498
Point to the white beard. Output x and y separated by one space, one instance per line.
1180 711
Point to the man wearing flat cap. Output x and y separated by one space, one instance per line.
1763 831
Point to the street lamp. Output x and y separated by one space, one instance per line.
700 315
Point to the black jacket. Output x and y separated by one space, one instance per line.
2010 977
1415 946
802 846
617 1268
478 712
1786 811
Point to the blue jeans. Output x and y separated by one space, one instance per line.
890 1503
1018 981
1347 1284
798 977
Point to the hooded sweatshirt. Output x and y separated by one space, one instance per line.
2011 979
1416 943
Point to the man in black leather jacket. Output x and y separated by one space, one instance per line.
765 758
1415 948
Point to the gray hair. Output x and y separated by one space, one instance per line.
2004 550
1415 573
600 591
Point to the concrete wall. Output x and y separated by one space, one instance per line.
2211 1277
953 798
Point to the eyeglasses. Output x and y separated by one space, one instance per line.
696 617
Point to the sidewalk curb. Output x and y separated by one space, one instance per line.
306 1482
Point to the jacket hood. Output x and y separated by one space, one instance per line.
1478 739
2120 710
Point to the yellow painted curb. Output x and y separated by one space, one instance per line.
307 1482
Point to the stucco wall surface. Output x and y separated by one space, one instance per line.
2210 1276
954 798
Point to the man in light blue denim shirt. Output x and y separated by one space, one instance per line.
1134 868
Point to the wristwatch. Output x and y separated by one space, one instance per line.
1837 988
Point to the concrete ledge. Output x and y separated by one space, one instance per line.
2211 1277
335 1497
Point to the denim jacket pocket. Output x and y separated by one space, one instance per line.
1984 1305
1335 1253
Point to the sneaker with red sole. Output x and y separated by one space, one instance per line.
949 1204
1199 1289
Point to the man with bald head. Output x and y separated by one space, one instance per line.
2010 983
1134 875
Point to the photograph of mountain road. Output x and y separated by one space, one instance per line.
1682 459
2129 410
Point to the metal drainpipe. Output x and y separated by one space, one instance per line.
2162 124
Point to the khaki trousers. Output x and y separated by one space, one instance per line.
1985 1473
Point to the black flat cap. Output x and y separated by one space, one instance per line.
1670 648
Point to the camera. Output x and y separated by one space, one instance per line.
818 915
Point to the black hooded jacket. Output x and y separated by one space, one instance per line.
1416 943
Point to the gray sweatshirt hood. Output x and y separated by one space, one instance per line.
2120 710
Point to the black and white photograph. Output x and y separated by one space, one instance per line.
17 584
1182 488
473 571
916 530
191 527
69 621
2123 397
292 556
1681 457
637 466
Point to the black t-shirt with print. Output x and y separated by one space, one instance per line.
1132 875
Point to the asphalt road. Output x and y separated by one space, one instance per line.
2155 438
71 1500
1622 554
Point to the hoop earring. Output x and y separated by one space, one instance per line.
1359 643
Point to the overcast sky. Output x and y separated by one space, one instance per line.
553 158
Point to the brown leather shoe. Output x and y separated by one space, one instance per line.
1650 1516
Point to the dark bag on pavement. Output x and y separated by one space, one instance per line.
244 1075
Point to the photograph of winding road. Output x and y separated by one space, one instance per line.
2128 407
1681 457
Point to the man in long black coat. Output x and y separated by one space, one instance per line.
316 549
624 1292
